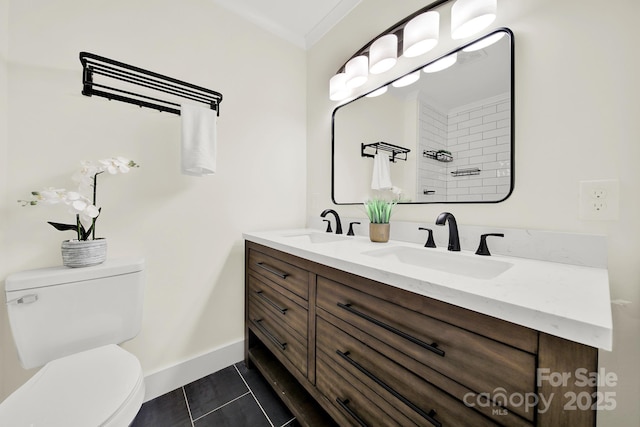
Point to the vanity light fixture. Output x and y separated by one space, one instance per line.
357 71
338 87
471 16
441 64
485 42
420 35
407 80
377 92
383 54
415 35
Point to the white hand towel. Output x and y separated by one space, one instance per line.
381 179
198 150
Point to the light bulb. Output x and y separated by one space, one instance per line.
338 87
377 92
407 80
441 64
383 54
485 42
357 71
471 16
420 35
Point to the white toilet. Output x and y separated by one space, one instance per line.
70 320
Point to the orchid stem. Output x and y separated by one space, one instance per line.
95 189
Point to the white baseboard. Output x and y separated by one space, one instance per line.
180 374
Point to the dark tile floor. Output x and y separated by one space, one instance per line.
232 397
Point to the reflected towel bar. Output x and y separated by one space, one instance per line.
395 150
466 172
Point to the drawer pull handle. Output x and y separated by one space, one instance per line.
427 416
343 404
431 347
272 270
259 325
271 303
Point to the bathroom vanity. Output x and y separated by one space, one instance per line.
363 334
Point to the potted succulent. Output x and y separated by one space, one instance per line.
85 250
379 213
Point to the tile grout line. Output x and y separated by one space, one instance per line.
222 406
184 393
254 396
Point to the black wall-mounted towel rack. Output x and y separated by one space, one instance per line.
100 75
395 150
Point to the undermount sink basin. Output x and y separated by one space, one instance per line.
319 237
477 267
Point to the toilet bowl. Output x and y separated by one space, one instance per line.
99 387
69 321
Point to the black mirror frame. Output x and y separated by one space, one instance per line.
512 124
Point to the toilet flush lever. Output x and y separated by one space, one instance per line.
27 299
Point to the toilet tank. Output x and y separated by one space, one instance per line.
58 311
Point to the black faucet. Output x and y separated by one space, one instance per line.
338 223
454 239
483 249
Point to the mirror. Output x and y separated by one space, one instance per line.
448 136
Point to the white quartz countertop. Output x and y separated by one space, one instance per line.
568 301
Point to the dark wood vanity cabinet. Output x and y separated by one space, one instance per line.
342 349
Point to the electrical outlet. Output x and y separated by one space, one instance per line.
599 200
599 193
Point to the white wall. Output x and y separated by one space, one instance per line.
576 118
4 35
188 229
361 123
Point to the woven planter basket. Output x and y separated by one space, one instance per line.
84 253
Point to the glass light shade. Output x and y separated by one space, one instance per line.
357 71
338 87
420 35
377 92
407 80
470 16
441 64
485 42
383 54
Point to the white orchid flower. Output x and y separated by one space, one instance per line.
91 211
72 196
116 165
50 196
80 205
123 164
87 171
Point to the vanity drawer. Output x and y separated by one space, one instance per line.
350 405
418 400
276 302
481 364
283 273
278 337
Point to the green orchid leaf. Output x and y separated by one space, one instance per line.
63 227
81 233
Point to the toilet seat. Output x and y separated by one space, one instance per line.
98 387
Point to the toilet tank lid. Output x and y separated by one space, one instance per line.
49 276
